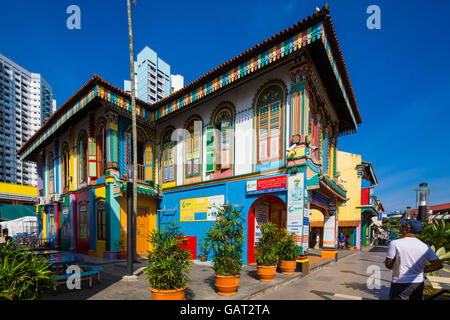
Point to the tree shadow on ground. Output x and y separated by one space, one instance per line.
63 293
378 249
378 293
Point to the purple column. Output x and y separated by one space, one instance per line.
40 184
73 223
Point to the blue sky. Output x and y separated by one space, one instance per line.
399 73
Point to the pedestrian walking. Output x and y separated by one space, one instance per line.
407 258
341 241
347 241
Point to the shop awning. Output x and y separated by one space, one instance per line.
16 211
142 190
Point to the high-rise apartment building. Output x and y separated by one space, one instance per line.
177 81
153 79
26 102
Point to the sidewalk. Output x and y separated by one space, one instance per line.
200 286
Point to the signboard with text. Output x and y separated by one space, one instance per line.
297 214
267 185
200 209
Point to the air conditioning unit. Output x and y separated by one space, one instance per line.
41 201
56 198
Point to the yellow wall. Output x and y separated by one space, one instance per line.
12 188
346 166
316 215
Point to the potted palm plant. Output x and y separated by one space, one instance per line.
287 252
226 239
168 264
204 250
266 252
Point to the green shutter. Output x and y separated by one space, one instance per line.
210 149
92 158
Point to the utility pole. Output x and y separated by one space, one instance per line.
131 215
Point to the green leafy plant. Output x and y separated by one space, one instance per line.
444 256
226 240
266 253
23 275
287 246
204 247
168 264
436 234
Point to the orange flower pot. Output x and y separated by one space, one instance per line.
227 285
177 294
266 273
288 267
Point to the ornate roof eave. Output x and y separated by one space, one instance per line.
96 88
332 188
284 44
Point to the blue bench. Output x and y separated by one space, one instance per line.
88 273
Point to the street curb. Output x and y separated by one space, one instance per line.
298 276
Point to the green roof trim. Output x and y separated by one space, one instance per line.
333 184
16 211
142 190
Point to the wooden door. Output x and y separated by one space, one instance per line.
277 215
142 231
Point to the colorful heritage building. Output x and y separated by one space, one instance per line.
362 210
259 132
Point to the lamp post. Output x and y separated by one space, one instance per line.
422 200
130 223
132 173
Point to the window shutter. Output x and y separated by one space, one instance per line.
210 149
92 158
226 144
148 162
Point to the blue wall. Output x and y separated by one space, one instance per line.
234 192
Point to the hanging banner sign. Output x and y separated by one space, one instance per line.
267 185
200 209
330 232
305 241
296 210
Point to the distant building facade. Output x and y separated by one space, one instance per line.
362 210
26 102
153 81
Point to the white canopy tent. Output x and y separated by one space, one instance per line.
22 225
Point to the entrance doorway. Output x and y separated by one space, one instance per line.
142 231
83 229
268 208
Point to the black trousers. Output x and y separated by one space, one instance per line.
406 291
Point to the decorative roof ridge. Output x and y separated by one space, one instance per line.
310 20
95 79
340 59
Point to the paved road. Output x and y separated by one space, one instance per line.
345 280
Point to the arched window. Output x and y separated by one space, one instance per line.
51 173
219 140
193 147
269 124
168 157
82 158
100 139
65 167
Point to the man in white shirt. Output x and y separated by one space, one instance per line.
407 257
